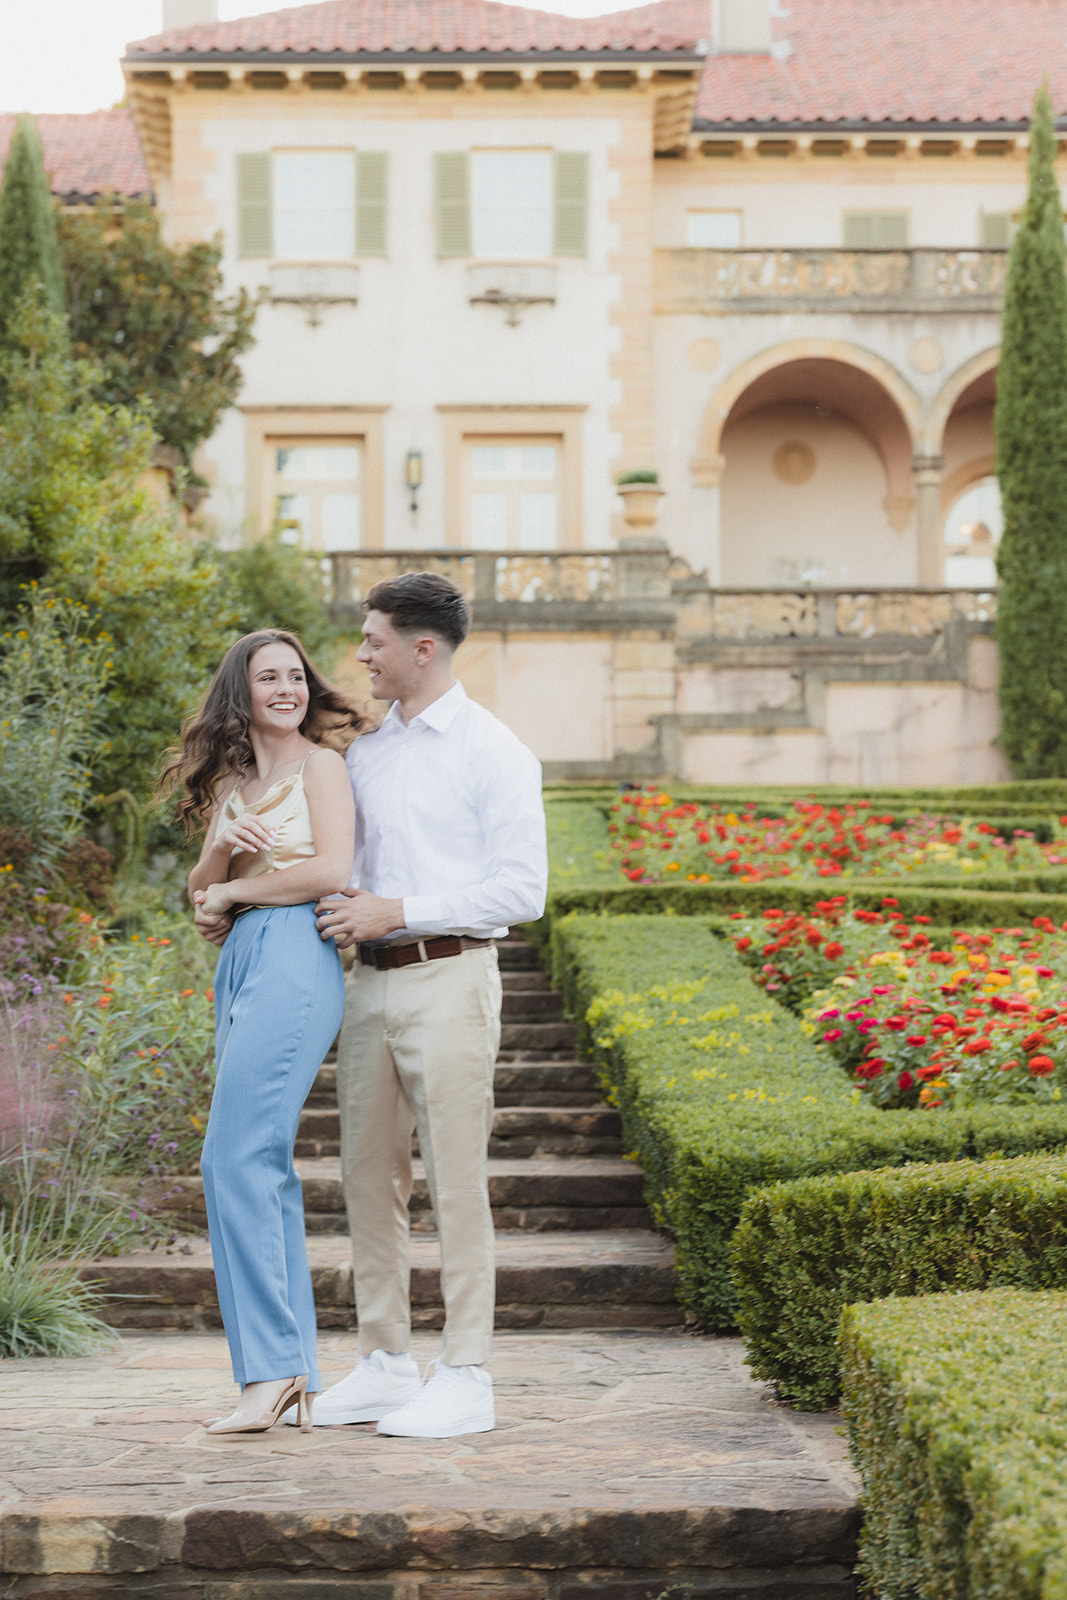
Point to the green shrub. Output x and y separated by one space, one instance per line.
722 1092
804 1250
957 1414
982 904
45 1307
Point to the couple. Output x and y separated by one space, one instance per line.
447 837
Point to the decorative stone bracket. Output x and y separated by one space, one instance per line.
513 285
314 287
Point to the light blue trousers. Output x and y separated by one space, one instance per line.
279 998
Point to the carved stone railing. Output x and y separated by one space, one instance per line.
694 280
583 578
765 614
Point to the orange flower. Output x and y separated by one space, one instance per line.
104 1000
186 993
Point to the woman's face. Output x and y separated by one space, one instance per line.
278 689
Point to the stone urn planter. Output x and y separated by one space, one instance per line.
640 503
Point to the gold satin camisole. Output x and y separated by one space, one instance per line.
283 807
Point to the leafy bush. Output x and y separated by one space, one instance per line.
957 1415
46 1309
722 1092
804 1250
273 585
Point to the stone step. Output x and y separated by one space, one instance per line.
519 1080
516 955
525 978
538 1035
537 1130
531 1005
603 1280
532 1194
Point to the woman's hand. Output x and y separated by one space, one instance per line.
217 899
249 833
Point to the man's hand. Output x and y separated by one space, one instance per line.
357 917
215 929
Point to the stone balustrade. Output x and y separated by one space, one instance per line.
708 281
588 584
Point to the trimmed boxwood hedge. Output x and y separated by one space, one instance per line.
957 1414
804 1250
722 1092
985 902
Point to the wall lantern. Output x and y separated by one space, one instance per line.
413 476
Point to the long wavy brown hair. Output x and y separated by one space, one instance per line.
215 740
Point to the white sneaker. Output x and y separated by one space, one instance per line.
453 1400
378 1384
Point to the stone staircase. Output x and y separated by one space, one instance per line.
574 1242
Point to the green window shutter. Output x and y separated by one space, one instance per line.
570 222
875 230
372 203
452 173
994 230
255 229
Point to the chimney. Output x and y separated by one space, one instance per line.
739 27
189 13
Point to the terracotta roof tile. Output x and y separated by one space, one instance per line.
896 61
376 27
86 155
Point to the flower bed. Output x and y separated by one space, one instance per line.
922 1017
956 1408
656 838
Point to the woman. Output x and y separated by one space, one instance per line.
280 836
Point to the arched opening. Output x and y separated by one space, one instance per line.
970 498
817 483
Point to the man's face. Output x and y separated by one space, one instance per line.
392 658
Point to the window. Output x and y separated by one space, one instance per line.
714 230
875 230
513 493
972 533
512 203
317 493
312 205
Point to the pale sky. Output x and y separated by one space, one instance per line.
62 55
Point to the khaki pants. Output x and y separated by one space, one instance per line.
417 1050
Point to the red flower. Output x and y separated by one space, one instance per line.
834 950
898 1024
905 1082
1008 1066
916 1038
1041 1066
833 1035
931 1070
976 1046
745 943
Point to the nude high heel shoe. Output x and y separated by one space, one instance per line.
295 1394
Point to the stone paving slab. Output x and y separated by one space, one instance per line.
614 1453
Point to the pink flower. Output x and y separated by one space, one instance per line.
833 1035
827 1016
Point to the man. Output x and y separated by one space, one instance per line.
450 851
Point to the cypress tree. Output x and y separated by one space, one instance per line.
29 246
1031 432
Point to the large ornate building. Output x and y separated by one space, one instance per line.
758 248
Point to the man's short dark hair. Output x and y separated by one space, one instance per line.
422 602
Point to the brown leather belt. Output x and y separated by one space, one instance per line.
387 956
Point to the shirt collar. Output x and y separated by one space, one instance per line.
439 714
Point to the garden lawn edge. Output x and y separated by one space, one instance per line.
957 1415
804 1250
722 1092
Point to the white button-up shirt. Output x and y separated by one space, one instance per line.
449 819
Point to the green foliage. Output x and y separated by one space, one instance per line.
53 673
29 252
273 585
638 475
152 319
577 843
956 1406
75 511
1031 430
804 1250
45 1307
722 1092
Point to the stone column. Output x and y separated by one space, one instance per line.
931 561
707 506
